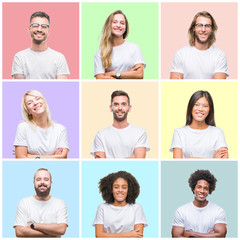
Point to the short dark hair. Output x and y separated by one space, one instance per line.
120 93
42 169
202 175
199 94
40 14
106 186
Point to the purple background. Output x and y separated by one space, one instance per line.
63 102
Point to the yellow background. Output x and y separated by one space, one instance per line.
96 115
174 101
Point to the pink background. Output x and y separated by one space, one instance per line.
63 36
176 19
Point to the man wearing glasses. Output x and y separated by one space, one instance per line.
39 61
200 60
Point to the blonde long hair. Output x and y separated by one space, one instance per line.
28 117
191 33
106 44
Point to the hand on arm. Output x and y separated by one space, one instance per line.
177 232
99 155
177 153
176 75
136 233
18 76
139 152
21 231
219 75
221 153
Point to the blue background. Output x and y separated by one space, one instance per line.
18 184
146 173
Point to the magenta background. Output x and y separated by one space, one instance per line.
63 36
176 19
62 99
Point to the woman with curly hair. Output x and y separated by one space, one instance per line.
119 216
200 138
38 136
117 58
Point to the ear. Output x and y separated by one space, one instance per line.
130 108
110 107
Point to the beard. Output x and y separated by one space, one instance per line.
205 41
38 41
120 119
42 194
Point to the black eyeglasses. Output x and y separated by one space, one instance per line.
200 26
37 25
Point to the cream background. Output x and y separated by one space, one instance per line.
96 114
174 100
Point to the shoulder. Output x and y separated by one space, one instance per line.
215 207
181 129
217 51
105 130
184 50
132 46
23 125
215 129
54 52
22 53
137 128
58 126
182 209
98 52
58 201
25 201
136 206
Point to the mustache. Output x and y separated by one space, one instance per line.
42 185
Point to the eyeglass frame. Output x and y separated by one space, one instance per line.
200 25
42 25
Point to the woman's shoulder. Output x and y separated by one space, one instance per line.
23 125
58 126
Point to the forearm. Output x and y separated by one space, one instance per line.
114 235
62 76
139 152
138 74
211 234
53 229
62 153
104 76
21 231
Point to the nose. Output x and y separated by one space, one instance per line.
39 28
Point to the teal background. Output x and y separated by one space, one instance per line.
176 191
146 173
18 183
143 30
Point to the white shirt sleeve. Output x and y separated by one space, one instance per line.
221 217
99 216
221 63
98 145
178 219
63 139
62 215
138 57
143 141
20 139
176 141
177 65
62 68
139 216
221 139
17 67
98 66
21 218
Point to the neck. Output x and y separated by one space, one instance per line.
201 46
119 204
200 204
39 47
117 41
42 121
198 125
42 198
120 125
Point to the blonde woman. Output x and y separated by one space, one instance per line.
38 136
117 58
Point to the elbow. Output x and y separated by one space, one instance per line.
62 230
19 231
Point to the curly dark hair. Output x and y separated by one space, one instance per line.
202 175
106 186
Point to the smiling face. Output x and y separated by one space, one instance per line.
118 25
42 183
120 191
120 108
39 34
200 110
203 29
35 105
201 191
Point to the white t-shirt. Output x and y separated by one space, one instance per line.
124 58
40 65
32 210
201 220
120 143
41 141
119 219
198 143
199 64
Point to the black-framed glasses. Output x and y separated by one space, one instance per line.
200 26
37 25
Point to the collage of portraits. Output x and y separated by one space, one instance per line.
119 119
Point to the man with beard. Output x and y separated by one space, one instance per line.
41 215
200 60
120 140
200 218
39 61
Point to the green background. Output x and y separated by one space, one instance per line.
176 191
143 30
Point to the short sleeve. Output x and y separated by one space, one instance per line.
139 216
17 67
98 145
21 218
62 215
62 68
21 138
221 217
176 141
98 66
178 219
177 65
63 139
138 57
99 216
221 64
221 139
143 141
